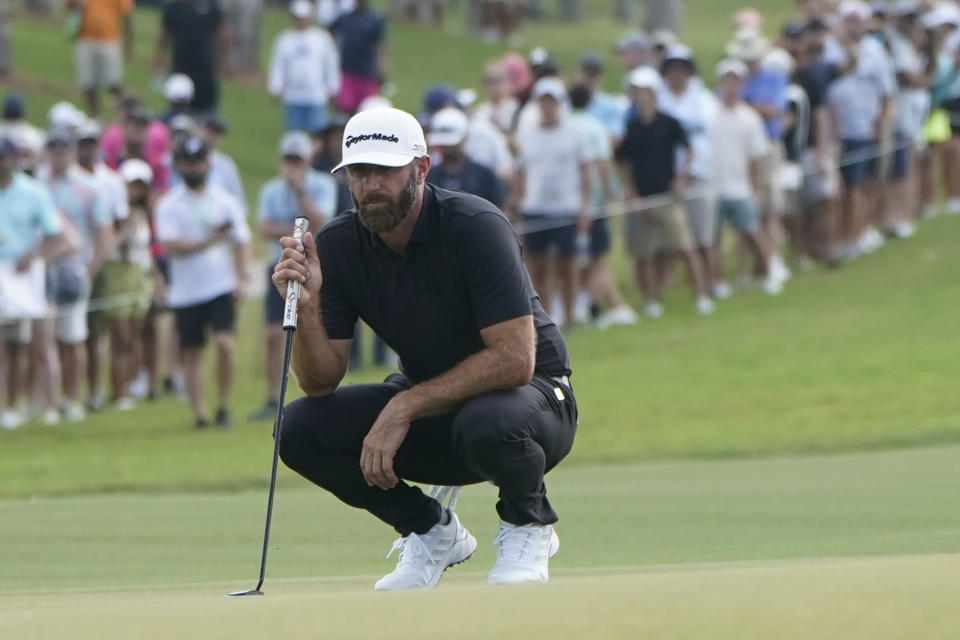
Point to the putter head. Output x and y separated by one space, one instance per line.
252 592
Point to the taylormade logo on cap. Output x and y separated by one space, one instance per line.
382 136
352 140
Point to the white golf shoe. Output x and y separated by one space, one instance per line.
424 557
523 553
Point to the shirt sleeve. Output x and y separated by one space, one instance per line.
165 221
339 316
236 213
47 215
758 137
680 134
275 72
100 212
492 268
324 195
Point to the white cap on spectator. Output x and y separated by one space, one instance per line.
89 130
448 127
466 97
63 115
296 144
182 122
942 15
29 139
748 45
178 88
550 86
732 66
644 78
678 52
663 38
374 102
134 170
779 60
384 136
854 10
301 8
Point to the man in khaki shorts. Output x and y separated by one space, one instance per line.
97 53
647 157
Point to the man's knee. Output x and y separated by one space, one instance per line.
295 431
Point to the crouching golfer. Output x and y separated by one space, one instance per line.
484 393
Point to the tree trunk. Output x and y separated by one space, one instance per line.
6 65
664 14
243 20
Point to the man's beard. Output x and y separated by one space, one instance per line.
389 212
194 180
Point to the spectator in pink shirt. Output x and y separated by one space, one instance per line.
139 136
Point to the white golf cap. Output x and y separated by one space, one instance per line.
89 130
383 136
63 115
136 169
732 66
178 88
301 8
550 86
644 78
448 127
942 15
297 144
182 122
855 10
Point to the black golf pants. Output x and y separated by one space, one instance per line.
510 438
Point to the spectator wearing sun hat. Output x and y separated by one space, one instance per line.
304 71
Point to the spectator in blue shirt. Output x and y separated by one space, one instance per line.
609 109
297 191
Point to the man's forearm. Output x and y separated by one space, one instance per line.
484 371
316 365
242 259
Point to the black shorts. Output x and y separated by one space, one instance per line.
219 315
599 238
550 232
273 303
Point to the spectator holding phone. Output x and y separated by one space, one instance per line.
203 231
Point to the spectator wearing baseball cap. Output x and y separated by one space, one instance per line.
203 232
304 71
449 129
223 169
552 195
687 99
78 196
647 156
178 91
298 191
738 130
31 231
608 109
14 126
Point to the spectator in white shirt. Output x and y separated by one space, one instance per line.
304 71
553 195
738 131
203 231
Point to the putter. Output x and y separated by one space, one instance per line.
289 326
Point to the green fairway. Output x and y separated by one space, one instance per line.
722 549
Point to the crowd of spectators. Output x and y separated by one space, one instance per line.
133 238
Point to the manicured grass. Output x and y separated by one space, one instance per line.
846 546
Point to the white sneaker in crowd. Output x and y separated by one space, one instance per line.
772 286
953 206
138 387
618 316
903 230
125 404
653 310
705 305
51 417
424 557
870 240
523 553
74 412
10 419
778 268
722 290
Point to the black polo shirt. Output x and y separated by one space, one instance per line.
650 151
462 272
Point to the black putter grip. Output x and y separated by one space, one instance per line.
293 287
